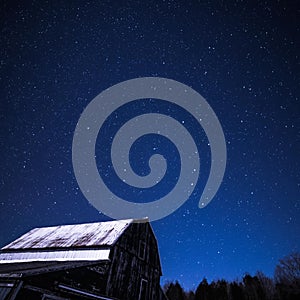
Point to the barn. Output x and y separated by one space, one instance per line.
105 260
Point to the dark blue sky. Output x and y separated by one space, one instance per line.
241 56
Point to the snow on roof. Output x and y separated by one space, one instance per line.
65 236
69 255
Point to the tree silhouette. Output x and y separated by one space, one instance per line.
175 291
268 286
236 291
253 288
220 291
287 277
285 286
203 291
288 270
190 295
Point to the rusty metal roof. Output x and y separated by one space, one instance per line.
65 236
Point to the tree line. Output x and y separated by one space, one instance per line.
284 286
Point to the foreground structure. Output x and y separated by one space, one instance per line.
106 260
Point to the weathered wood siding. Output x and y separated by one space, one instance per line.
128 268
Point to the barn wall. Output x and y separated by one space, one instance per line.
128 268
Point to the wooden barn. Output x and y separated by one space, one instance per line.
106 260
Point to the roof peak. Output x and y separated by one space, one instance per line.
141 220
97 234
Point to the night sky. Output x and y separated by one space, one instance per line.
241 56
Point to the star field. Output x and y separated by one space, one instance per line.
241 56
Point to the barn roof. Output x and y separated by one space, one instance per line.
63 255
61 247
66 236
